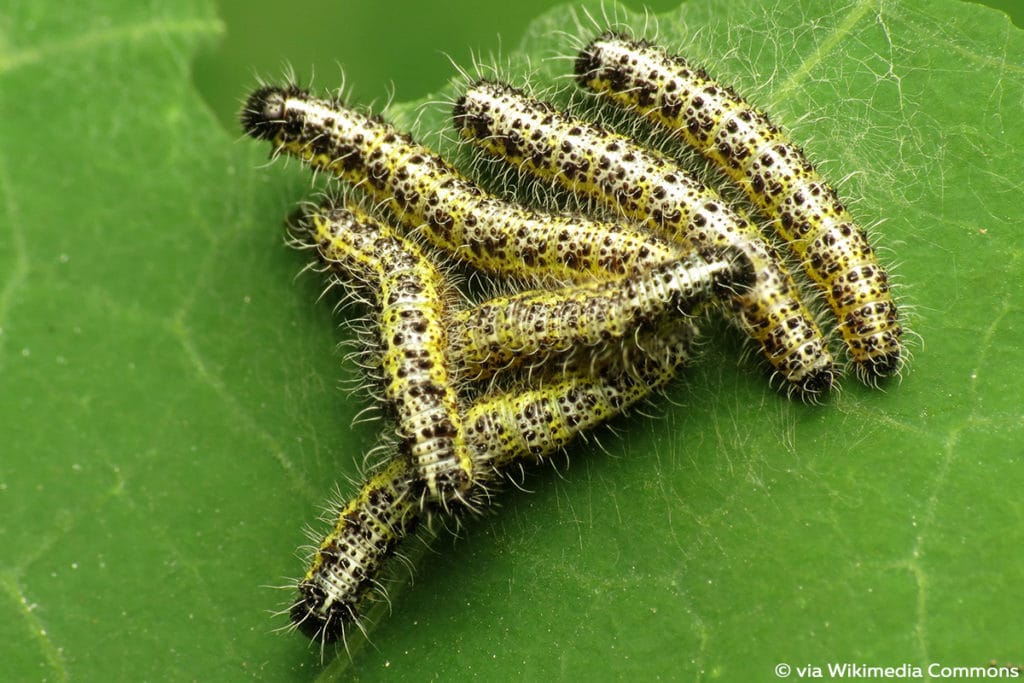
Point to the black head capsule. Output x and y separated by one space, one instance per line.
264 112
314 621
741 274
588 62
817 384
459 113
466 116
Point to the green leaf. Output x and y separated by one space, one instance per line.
170 416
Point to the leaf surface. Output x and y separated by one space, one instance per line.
171 418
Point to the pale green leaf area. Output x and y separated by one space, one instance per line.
171 416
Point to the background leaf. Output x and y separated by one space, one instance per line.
170 417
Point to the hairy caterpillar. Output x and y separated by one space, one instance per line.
647 187
501 331
426 194
535 423
502 432
409 296
773 172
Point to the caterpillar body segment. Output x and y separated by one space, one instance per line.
410 303
649 188
536 421
773 172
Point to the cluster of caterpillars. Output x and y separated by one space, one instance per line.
628 292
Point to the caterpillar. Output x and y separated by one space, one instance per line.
773 172
502 432
502 331
428 195
611 169
408 291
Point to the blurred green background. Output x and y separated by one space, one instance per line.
382 44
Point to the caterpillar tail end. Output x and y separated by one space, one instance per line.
449 488
312 620
879 368
816 385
